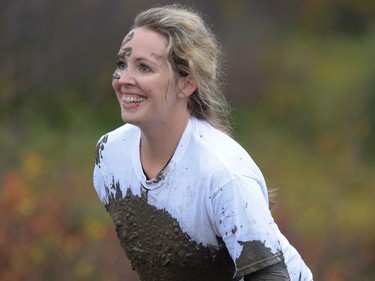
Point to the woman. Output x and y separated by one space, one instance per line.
188 202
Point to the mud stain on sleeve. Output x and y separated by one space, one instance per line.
255 256
157 247
234 230
275 272
99 149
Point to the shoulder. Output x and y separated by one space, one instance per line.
120 133
222 159
222 149
119 136
212 138
113 141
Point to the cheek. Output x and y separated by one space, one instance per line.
114 84
116 88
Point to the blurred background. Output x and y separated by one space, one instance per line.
300 79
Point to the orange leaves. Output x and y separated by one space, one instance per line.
16 196
32 164
94 229
47 227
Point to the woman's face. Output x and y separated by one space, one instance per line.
144 83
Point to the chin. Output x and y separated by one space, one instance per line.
129 120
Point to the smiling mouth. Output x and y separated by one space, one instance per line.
128 99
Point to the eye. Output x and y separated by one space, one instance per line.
121 65
144 68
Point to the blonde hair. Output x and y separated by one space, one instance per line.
192 50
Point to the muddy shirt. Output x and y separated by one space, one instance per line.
205 217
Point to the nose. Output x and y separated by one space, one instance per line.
124 76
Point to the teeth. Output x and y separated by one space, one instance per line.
128 99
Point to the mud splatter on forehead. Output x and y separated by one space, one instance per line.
127 38
126 51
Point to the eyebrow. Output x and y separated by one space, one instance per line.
122 55
158 57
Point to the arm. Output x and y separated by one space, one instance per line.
248 230
274 272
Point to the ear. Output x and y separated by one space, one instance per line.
186 85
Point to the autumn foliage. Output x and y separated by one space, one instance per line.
300 79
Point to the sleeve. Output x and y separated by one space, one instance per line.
98 174
275 272
245 223
99 186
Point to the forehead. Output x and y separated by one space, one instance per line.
146 41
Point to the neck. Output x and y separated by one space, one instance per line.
159 144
